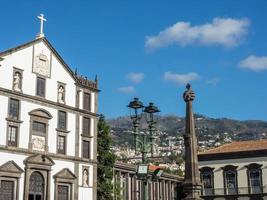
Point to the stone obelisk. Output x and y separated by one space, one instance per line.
192 184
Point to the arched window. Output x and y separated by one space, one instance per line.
36 186
254 173
230 179
206 174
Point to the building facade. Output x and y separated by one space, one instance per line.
48 126
236 171
167 187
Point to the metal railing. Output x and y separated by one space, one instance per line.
234 191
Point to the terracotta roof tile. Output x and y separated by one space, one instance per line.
153 167
251 145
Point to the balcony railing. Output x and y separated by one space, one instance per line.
234 191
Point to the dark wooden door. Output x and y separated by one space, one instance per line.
36 186
7 190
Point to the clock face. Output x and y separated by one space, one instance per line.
41 65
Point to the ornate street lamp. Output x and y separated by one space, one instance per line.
135 105
145 144
150 110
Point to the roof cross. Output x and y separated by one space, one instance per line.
42 19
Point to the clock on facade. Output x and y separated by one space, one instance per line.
41 65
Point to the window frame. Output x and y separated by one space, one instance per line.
89 103
65 143
9 116
36 92
227 170
89 148
258 168
66 178
64 185
10 142
66 120
37 132
205 190
13 175
15 182
42 116
86 133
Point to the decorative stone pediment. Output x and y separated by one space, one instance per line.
254 166
65 174
11 167
39 159
41 113
206 169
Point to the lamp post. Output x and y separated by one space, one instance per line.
143 143
150 110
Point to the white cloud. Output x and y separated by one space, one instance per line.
135 77
227 32
127 90
181 79
213 81
254 63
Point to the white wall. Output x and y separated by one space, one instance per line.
23 60
3 115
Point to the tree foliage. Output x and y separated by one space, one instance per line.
106 160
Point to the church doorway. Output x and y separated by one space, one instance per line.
36 186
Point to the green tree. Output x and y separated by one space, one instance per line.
106 161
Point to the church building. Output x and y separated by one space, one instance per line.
48 122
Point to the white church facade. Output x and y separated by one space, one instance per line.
48 122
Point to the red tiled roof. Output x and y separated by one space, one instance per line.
153 167
251 145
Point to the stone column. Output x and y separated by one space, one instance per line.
128 186
192 184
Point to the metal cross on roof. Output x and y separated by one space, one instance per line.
42 19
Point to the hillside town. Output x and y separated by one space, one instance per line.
122 100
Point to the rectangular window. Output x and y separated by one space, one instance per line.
12 136
13 111
39 127
61 144
86 149
62 192
7 190
86 126
62 119
40 88
87 101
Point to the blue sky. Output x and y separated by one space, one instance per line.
149 49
